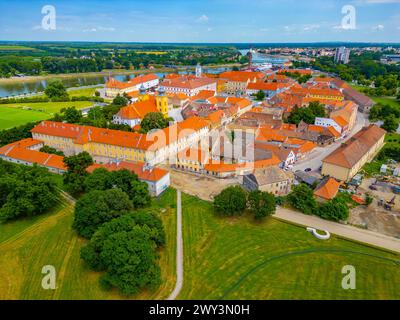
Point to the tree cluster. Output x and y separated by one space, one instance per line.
25 191
233 201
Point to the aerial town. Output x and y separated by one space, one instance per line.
199 171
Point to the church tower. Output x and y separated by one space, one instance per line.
198 71
162 102
143 96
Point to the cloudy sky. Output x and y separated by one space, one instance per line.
202 20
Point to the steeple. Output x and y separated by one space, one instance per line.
142 93
198 71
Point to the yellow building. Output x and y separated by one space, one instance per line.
344 163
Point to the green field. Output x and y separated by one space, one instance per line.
28 245
233 258
16 48
87 92
14 114
236 258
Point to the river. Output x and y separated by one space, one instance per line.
262 58
32 86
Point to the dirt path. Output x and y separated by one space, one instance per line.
345 231
179 249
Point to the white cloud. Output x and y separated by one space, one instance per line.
311 27
209 29
202 19
100 28
379 27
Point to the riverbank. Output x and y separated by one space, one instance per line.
82 74
106 73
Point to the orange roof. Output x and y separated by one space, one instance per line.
113 83
25 144
241 76
323 79
266 86
216 116
154 174
340 121
203 95
139 109
133 94
328 189
84 134
233 167
315 128
334 132
14 151
351 152
307 147
266 134
178 96
187 82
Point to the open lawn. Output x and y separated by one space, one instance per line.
12 117
15 114
28 245
87 92
237 258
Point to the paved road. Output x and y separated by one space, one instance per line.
314 159
179 249
346 231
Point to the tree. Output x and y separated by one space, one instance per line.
98 207
25 191
71 115
56 90
130 265
127 255
390 124
260 96
76 173
150 222
261 204
153 120
335 209
307 114
127 181
302 198
47 149
231 201
120 101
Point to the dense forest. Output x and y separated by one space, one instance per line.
37 59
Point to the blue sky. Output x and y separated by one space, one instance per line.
201 20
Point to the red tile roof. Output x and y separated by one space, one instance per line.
113 83
328 189
153 175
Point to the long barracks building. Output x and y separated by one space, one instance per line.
105 144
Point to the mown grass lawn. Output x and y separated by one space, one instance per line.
28 245
15 114
87 92
237 258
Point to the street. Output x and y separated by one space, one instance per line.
314 159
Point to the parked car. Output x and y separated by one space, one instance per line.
308 170
372 187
